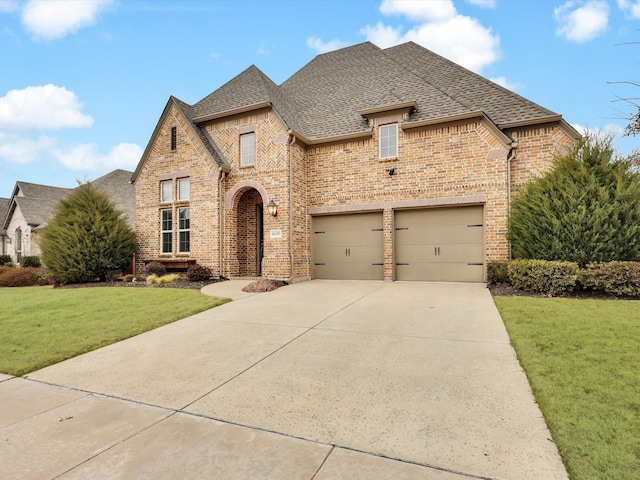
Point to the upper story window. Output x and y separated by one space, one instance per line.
184 187
166 191
174 138
247 149
388 141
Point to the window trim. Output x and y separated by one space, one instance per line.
164 232
184 230
381 138
162 183
179 182
242 149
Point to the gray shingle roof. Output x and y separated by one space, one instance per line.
323 98
4 209
37 202
470 89
122 193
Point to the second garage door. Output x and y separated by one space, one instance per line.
348 247
440 244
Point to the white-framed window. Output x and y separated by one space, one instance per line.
388 140
166 227
247 149
184 189
184 227
166 191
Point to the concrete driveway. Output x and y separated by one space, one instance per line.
317 380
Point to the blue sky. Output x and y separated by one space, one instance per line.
83 83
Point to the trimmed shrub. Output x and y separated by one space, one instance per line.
31 261
155 268
4 259
20 277
551 278
199 273
617 278
497 272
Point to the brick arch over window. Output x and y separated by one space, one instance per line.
241 187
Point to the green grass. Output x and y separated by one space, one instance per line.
40 326
582 359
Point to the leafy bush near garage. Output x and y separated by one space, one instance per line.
548 277
617 278
4 259
497 272
586 209
20 277
31 261
199 273
155 268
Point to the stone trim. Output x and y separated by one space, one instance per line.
244 185
399 204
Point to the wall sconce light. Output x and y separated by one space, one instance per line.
272 208
391 171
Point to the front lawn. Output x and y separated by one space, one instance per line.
582 359
40 326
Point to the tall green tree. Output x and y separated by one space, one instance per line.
87 237
586 209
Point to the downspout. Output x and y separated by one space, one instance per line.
222 175
510 156
292 140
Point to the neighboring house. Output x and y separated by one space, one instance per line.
31 205
4 208
386 164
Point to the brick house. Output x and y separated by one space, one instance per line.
389 164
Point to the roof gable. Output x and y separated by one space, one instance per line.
187 112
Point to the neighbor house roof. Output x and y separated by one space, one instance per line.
120 190
36 202
4 208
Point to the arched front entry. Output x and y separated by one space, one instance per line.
245 233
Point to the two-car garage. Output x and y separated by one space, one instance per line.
429 244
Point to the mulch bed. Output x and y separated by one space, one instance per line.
179 283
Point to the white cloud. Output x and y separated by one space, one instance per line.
580 128
323 47
7 6
48 20
85 157
483 3
457 37
631 8
503 82
46 107
431 11
265 48
23 150
582 21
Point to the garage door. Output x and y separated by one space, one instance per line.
440 244
348 247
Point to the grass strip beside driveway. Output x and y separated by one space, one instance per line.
582 358
40 326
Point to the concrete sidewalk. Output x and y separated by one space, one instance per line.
321 379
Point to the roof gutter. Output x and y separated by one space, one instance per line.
338 138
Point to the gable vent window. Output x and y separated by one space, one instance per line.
174 138
389 141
